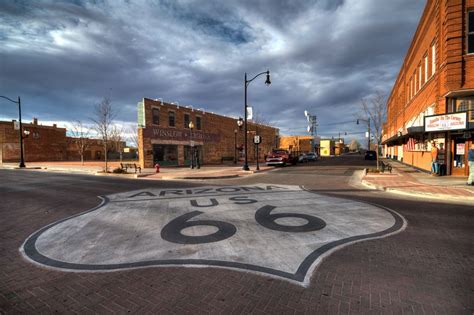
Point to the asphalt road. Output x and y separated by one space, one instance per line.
427 268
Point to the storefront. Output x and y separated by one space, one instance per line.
170 135
456 132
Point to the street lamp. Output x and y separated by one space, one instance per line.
246 83
368 130
235 146
22 160
191 127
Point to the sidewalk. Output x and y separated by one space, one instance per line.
206 172
94 167
408 180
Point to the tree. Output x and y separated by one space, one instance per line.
354 145
117 140
80 136
104 116
374 108
133 136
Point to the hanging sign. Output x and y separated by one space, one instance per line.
249 112
446 122
460 149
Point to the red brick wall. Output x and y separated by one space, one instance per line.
45 143
217 130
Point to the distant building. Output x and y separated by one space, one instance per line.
328 147
165 138
433 96
46 143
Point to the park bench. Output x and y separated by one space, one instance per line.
126 166
386 166
227 158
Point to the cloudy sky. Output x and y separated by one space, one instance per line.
63 57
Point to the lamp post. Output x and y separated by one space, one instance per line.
191 127
22 159
246 83
240 122
368 130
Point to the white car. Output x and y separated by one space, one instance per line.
311 156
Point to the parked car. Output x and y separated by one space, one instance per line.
370 155
280 157
302 158
311 156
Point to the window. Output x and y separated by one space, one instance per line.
426 68
171 119
419 77
198 123
470 32
433 58
186 121
416 85
466 104
155 112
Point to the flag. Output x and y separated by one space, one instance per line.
249 112
410 146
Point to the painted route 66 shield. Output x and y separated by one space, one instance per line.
278 230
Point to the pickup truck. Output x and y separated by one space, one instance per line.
280 157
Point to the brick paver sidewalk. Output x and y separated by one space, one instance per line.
408 180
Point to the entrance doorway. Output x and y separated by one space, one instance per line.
459 157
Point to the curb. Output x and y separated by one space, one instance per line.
418 194
199 177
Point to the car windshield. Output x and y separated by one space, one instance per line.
279 151
311 153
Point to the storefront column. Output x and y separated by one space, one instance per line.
447 145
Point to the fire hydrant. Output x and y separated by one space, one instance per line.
157 167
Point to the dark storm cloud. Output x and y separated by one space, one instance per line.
324 56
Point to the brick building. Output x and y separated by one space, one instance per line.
164 135
46 143
433 95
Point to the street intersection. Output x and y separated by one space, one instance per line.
303 239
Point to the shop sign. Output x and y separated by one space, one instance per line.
460 149
446 122
180 135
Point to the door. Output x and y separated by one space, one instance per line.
459 160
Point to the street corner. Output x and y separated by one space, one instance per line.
276 230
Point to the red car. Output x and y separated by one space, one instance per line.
280 157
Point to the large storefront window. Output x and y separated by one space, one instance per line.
165 154
187 154
466 104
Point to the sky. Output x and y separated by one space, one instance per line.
324 56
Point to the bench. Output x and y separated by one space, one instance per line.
227 158
386 166
126 166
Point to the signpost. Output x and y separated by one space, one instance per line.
257 140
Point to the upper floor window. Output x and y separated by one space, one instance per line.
419 77
416 84
186 121
171 119
155 113
433 58
426 68
198 123
470 32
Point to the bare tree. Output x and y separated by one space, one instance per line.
375 109
354 145
104 116
117 142
80 136
133 136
